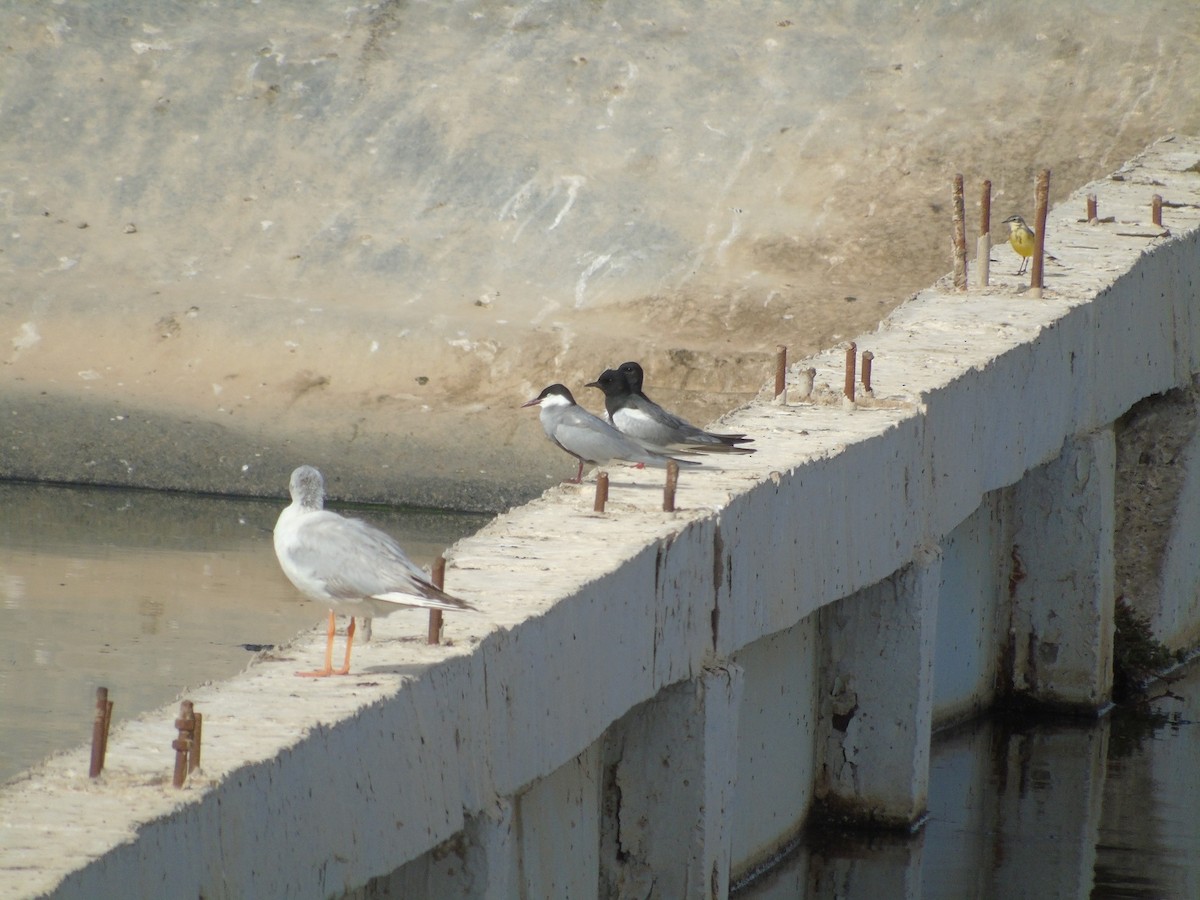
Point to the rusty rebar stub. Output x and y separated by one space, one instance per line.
985 209
960 237
182 745
669 488
851 363
601 492
194 752
1039 233
437 577
100 721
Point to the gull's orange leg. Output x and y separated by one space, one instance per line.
328 670
345 669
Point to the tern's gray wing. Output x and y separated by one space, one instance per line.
593 439
646 421
354 560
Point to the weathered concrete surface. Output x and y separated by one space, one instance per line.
972 615
240 236
876 693
776 753
1062 615
679 752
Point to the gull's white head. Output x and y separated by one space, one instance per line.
307 488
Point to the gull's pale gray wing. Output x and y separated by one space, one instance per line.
355 560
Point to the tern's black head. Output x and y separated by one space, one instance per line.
557 394
613 383
633 375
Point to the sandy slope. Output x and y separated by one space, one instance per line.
361 237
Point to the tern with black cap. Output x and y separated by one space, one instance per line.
637 416
589 438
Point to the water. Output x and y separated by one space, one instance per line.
146 594
1091 809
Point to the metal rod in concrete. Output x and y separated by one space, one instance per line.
669 489
985 208
1093 215
1156 210
867 357
601 492
197 732
1039 237
437 577
960 237
182 745
780 369
99 732
983 244
108 708
851 355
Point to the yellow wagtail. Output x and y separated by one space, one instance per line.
1021 237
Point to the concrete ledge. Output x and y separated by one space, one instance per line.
313 789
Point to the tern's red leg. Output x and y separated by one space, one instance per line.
328 670
578 475
345 669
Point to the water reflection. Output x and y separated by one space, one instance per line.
1102 809
147 594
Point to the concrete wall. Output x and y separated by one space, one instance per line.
972 630
651 703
